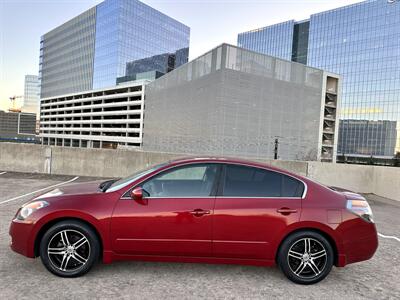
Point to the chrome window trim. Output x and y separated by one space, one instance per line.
243 197
226 163
180 197
209 197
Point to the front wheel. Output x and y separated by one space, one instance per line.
306 257
69 248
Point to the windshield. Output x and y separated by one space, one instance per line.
119 184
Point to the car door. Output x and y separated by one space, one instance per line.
174 217
252 209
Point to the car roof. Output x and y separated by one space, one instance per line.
231 160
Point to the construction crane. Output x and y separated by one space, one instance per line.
13 108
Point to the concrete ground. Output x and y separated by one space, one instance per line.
24 278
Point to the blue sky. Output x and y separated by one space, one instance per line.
212 22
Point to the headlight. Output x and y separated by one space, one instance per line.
361 208
30 208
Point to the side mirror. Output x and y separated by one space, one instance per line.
137 194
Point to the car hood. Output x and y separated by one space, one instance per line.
91 187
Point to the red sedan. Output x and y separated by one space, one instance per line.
209 210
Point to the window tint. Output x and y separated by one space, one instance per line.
191 173
292 187
242 181
187 181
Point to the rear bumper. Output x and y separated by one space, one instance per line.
21 238
360 241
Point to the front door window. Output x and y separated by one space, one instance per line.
187 181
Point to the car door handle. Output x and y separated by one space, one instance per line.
199 212
286 211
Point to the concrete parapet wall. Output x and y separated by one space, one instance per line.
22 158
387 182
103 162
297 167
382 181
356 178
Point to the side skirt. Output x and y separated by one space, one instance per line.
109 257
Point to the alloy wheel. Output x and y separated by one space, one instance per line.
307 258
68 250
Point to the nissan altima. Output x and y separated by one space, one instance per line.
205 210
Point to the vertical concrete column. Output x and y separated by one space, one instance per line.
224 56
47 161
214 59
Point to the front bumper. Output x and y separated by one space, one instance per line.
22 240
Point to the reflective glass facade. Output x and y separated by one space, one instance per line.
381 136
361 42
300 42
129 30
148 68
92 50
31 91
275 40
66 56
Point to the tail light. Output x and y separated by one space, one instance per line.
361 208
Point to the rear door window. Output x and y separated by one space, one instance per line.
244 181
291 187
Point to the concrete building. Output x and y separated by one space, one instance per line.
236 102
31 94
92 50
361 43
382 137
103 118
17 127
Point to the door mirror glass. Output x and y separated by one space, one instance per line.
137 193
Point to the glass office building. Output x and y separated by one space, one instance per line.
361 42
31 94
275 40
93 49
66 56
381 136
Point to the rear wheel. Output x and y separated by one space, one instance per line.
306 257
69 248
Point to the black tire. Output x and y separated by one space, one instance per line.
311 266
72 258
